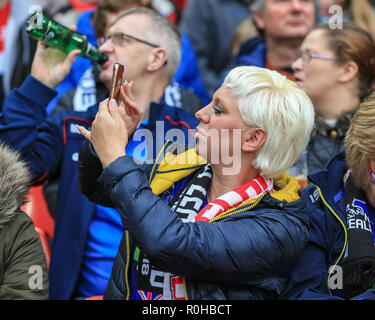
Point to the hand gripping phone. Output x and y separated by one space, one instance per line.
114 93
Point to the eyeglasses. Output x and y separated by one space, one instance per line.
119 38
307 56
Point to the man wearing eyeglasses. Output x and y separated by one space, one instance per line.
87 236
282 26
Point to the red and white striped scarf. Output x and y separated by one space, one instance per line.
234 198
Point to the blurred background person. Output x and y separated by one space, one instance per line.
69 13
282 26
244 32
22 258
336 70
16 47
86 236
359 12
82 88
210 25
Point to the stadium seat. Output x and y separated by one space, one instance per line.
36 208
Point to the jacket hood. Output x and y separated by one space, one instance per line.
15 181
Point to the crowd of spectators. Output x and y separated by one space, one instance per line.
291 80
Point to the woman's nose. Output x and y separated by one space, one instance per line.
202 114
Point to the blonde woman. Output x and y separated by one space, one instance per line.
204 227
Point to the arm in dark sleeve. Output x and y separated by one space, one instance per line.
226 251
89 170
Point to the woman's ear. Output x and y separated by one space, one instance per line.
349 71
158 58
259 20
254 139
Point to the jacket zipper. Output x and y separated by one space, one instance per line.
127 265
345 232
231 213
157 161
127 233
223 216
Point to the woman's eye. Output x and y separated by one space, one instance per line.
217 109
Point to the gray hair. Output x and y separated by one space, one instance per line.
257 6
163 32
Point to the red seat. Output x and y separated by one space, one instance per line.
37 209
45 245
95 298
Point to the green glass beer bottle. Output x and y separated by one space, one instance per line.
55 35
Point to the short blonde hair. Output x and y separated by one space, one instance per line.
269 100
360 142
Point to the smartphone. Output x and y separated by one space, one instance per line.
114 93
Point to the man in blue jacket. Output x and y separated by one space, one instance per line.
87 236
283 25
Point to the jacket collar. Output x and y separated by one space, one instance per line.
177 165
331 182
173 167
338 131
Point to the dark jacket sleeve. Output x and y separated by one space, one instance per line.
230 251
89 170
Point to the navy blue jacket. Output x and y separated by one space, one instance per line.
51 146
245 253
310 277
